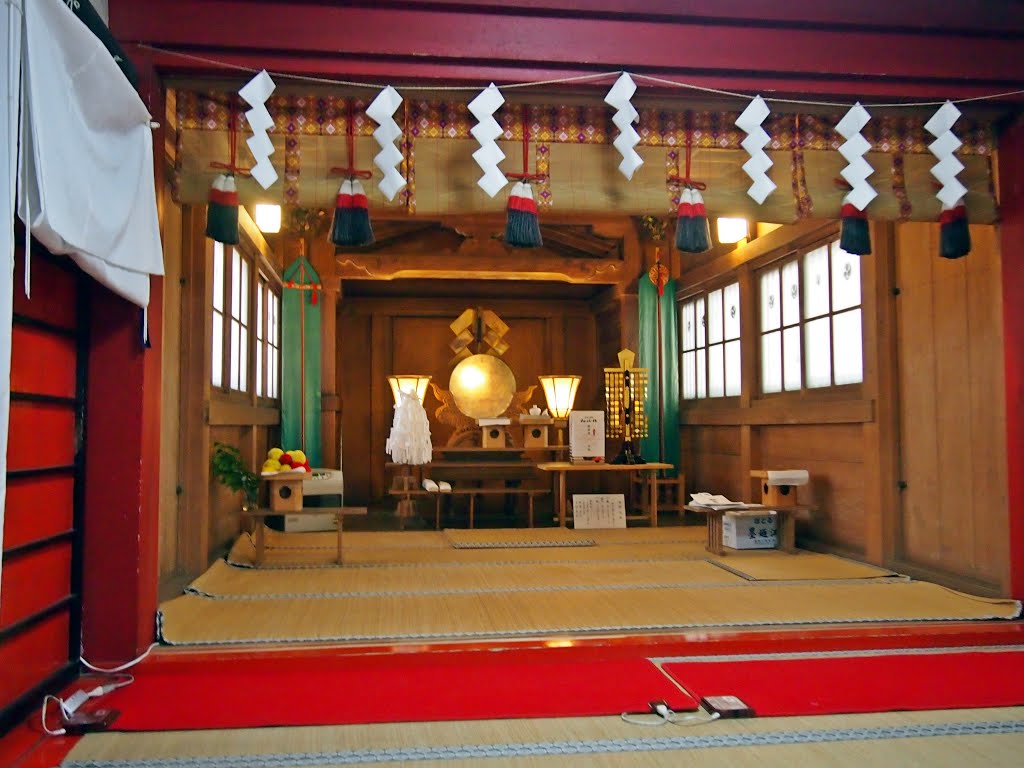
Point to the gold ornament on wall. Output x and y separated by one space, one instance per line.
652 228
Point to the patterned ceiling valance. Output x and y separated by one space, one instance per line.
570 143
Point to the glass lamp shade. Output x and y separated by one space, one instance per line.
268 217
413 383
732 230
560 392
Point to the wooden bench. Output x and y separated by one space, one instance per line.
472 493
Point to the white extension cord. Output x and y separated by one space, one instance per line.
76 700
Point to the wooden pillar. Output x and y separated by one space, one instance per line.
193 528
323 261
881 448
1011 208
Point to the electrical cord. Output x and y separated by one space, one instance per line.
662 714
122 667
74 702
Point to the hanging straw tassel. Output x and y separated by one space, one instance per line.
954 234
341 229
222 210
854 233
522 229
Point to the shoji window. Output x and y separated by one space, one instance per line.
810 321
268 349
710 333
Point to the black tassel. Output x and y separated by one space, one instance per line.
362 232
954 234
854 233
222 211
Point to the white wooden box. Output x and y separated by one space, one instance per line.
754 529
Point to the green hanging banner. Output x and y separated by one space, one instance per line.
300 360
664 375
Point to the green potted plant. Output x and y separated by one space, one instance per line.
231 471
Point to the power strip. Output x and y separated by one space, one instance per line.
726 706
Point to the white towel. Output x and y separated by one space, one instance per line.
788 477
444 487
429 485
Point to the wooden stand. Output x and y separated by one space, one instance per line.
559 470
258 516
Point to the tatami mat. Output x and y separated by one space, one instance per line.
192 619
770 565
226 581
243 554
507 538
951 738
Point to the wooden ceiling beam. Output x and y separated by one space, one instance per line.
402 35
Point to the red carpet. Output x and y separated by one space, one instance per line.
819 686
387 688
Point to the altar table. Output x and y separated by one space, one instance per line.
562 468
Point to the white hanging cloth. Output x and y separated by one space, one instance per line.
10 35
86 175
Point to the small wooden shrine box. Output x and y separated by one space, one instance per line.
535 431
775 496
493 432
286 491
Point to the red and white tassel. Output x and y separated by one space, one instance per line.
522 228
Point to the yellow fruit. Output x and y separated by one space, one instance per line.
299 456
271 465
274 454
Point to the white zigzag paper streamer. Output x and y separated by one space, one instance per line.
256 92
944 147
381 111
853 150
485 132
757 166
624 117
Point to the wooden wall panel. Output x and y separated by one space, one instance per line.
713 461
35 580
411 335
38 507
354 376
832 454
954 512
225 505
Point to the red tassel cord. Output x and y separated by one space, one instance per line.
693 234
522 227
351 225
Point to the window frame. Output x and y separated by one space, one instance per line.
703 293
832 391
260 274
